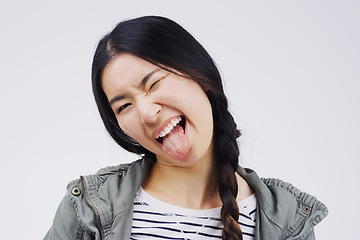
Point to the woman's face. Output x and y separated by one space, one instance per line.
167 114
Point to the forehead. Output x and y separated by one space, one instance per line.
124 71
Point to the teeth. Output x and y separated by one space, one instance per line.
169 127
174 122
167 130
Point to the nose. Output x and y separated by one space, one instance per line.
148 111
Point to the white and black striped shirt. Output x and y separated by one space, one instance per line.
154 219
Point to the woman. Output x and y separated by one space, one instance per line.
160 95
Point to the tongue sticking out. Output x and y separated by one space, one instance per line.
175 143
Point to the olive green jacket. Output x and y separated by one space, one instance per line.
100 206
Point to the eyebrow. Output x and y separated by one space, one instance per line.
141 85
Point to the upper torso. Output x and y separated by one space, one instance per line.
104 208
154 218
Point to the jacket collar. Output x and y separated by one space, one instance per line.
283 210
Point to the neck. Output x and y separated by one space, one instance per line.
192 187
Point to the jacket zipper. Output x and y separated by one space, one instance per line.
97 217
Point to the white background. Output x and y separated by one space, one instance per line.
291 72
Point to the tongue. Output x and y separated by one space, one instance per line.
175 143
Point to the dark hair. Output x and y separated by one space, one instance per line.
166 44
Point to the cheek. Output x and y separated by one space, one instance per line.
178 92
132 127
197 98
129 124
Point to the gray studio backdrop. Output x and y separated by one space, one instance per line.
291 72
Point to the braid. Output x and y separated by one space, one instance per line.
230 210
226 154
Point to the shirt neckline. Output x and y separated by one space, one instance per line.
143 196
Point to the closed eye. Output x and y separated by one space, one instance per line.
154 85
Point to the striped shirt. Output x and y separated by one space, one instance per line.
154 219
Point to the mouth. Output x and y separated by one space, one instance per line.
176 122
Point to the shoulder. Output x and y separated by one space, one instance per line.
100 188
105 181
98 198
106 174
283 208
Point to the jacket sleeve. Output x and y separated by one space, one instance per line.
310 236
65 225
